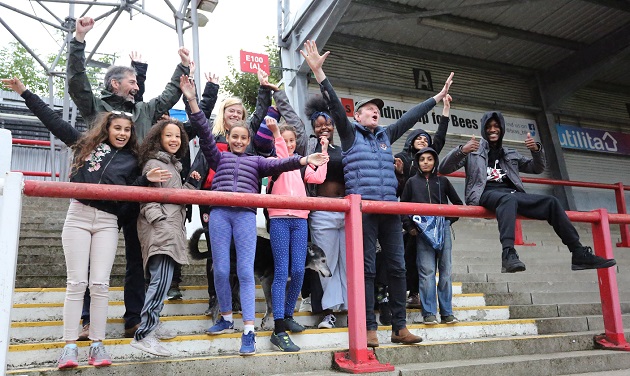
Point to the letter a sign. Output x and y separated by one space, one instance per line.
250 62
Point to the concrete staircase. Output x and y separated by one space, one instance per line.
539 322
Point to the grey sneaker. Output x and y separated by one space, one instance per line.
450 319
69 358
151 345
430 320
174 293
292 325
161 332
98 356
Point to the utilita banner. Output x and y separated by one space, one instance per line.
593 139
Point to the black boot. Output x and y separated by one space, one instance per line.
583 258
511 263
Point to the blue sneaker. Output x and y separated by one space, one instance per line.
221 327
248 344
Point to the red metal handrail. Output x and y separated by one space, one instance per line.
359 359
620 198
23 141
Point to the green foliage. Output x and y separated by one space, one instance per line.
245 85
16 61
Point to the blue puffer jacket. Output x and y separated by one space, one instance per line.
369 165
237 172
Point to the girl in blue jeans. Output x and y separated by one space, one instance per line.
429 188
236 171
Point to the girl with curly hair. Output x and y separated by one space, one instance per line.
161 230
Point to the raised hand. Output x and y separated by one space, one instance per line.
212 78
83 25
272 124
471 146
317 159
263 79
187 86
447 105
192 67
14 84
531 143
184 55
195 175
136 56
447 85
314 60
158 175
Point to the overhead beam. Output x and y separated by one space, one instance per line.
580 68
398 11
421 53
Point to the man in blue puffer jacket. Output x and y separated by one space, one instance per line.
369 171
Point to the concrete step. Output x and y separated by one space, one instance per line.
47 331
54 311
547 287
561 310
537 268
119 267
116 280
42 354
536 276
318 362
574 297
557 363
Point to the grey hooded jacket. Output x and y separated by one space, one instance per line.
476 163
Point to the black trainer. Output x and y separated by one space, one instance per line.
292 325
584 258
511 263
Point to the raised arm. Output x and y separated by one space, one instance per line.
263 101
141 74
171 93
200 122
317 176
292 118
410 118
210 94
315 61
51 120
440 136
535 164
79 87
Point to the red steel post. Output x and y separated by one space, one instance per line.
613 337
620 196
358 359
518 234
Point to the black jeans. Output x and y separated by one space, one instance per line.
507 203
387 230
134 276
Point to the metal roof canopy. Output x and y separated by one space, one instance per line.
67 25
562 45
558 46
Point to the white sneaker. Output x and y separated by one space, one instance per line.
305 305
328 322
161 332
151 345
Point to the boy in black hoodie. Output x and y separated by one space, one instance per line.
429 188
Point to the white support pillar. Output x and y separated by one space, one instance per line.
10 214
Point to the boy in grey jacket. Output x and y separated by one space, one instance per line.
493 181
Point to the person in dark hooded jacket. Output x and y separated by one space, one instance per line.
429 188
493 181
405 168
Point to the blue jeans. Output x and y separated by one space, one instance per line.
427 260
387 229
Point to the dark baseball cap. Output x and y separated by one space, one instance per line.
378 102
